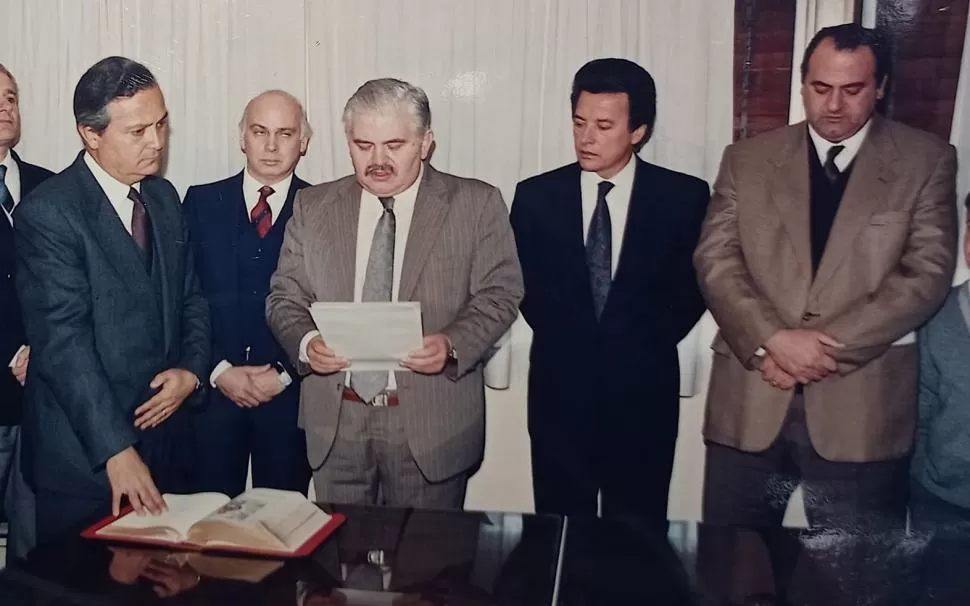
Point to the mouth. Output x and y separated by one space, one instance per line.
587 155
380 173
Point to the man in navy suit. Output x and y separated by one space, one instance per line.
605 246
237 225
17 179
117 324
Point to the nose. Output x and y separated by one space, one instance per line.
271 143
833 103
155 138
586 134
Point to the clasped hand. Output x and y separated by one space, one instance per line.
798 356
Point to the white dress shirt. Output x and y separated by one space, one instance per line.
618 202
847 155
12 181
115 190
276 200
371 210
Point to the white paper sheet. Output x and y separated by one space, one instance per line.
373 336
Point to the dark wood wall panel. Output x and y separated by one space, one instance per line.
764 31
928 46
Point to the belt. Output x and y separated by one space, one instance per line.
387 398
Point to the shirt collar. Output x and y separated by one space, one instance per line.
252 185
113 188
852 145
622 179
8 161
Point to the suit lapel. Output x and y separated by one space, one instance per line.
790 192
338 221
232 206
430 210
119 247
869 184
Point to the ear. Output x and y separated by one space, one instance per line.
90 137
639 134
304 143
881 91
426 144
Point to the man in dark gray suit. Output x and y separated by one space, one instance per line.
115 318
17 179
397 230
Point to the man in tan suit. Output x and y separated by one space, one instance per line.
825 246
397 230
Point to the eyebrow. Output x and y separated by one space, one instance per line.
10 91
849 85
138 126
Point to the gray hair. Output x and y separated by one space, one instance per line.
376 95
4 70
109 79
306 131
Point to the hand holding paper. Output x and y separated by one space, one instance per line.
323 359
366 336
431 358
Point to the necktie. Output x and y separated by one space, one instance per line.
599 249
378 282
831 170
6 200
262 215
141 225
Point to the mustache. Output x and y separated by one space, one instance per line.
379 167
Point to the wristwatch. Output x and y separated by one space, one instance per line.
452 353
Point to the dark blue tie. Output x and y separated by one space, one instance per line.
599 249
6 200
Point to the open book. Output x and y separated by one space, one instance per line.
262 521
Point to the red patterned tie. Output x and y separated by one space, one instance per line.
261 215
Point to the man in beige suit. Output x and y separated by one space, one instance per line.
397 230
825 246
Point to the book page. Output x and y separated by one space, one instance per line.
174 524
262 517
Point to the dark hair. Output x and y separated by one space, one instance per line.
849 37
620 76
108 79
966 205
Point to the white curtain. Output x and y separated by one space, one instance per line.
497 72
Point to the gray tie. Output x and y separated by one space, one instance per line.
6 200
599 249
378 283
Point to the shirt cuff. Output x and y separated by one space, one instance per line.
220 368
285 379
13 360
303 345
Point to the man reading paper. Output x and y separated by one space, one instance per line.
398 230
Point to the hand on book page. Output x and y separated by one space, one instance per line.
174 524
259 520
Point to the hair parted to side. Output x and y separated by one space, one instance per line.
109 79
384 93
